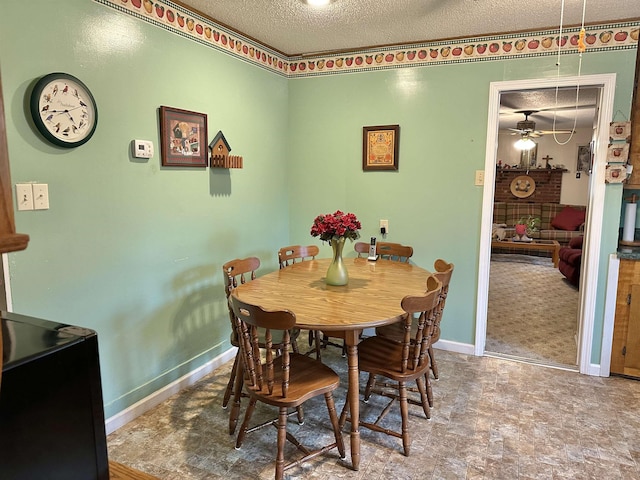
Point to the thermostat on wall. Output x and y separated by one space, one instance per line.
142 148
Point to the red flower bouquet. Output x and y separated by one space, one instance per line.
336 225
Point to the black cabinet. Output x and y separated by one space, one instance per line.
51 409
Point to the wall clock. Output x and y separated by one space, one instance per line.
63 110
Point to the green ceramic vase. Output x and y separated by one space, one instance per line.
337 271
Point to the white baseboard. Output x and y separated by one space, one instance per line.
122 418
467 349
455 347
595 370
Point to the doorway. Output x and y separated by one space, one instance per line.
532 307
591 247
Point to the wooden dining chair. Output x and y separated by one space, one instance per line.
296 253
299 253
285 381
394 251
237 272
362 249
401 362
386 250
395 331
443 272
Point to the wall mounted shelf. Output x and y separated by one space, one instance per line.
220 157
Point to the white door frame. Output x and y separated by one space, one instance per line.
589 274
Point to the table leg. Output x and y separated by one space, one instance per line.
556 255
351 341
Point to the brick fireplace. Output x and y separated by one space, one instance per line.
548 185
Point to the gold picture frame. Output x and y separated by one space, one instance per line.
380 147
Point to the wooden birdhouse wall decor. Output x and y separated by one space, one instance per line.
220 157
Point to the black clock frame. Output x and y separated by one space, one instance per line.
38 88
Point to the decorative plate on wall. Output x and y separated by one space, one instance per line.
523 186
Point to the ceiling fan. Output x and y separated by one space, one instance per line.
527 128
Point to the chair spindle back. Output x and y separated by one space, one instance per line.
249 320
394 251
289 255
415 350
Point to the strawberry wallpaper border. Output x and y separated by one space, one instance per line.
179 20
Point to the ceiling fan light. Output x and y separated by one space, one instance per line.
525 143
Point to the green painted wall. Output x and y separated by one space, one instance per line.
431 202
129 248
134 250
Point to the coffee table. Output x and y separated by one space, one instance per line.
541 245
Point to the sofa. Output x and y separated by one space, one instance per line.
571 260
557 221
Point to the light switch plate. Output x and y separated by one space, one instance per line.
24 196
479 177
40 196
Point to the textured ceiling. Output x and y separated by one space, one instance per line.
293 28
569 110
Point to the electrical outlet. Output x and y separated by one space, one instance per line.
40 196
384 224
24 196
479 177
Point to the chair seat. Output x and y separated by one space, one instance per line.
383 356
309 378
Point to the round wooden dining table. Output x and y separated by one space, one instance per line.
370 299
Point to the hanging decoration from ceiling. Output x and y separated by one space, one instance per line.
581 48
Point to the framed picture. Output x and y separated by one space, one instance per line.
529 158
615 173
183 138
618 152
380 147
584 158
620 131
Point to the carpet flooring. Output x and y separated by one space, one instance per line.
532 311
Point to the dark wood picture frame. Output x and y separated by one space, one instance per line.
583 162
183 138
380 147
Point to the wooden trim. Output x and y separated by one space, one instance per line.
117 471
292 56
10 241
633 181
406 44
228 27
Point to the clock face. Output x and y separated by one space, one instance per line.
63 110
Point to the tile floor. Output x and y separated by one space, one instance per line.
492 419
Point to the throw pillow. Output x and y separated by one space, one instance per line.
568 219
